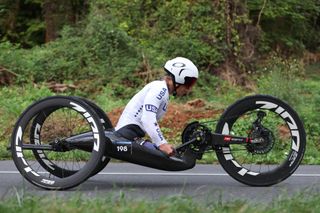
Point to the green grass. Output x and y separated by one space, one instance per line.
13 101
110 203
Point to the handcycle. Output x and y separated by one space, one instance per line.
61 141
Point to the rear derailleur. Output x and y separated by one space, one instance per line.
262 139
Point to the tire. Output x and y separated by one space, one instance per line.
41 156
107 126
83 117
281 147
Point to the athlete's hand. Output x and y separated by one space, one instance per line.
167 148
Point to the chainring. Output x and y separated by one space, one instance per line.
202 133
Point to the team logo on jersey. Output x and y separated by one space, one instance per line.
159 134
161 94
165 107
151 108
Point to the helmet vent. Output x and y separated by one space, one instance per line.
181 71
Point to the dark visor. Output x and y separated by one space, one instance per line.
190 81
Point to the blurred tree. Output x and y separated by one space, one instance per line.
8 13
32 22
58 13
223 37
20 22
288 25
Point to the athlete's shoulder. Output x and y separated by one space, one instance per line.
158 87
157 84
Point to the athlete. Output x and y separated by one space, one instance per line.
148 106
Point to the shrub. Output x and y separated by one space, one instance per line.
279 77
96 50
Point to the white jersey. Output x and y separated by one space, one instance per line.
146 108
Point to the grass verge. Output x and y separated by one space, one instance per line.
109 203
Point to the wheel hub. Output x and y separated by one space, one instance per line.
60 145
262 141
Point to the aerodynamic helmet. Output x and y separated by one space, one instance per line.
182 70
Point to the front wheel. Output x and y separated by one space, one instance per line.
277 145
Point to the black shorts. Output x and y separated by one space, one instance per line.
131 132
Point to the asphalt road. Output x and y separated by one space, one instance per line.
204 182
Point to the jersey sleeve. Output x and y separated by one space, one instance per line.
149 121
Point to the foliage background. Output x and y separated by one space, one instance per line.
106 50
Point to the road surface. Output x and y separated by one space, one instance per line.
204 182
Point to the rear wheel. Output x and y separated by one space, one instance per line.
40 151
107 126
277 146
41 156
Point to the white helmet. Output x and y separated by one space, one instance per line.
182 70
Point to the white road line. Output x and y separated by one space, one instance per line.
166 174
163 174
306 175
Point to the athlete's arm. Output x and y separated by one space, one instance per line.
149 116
